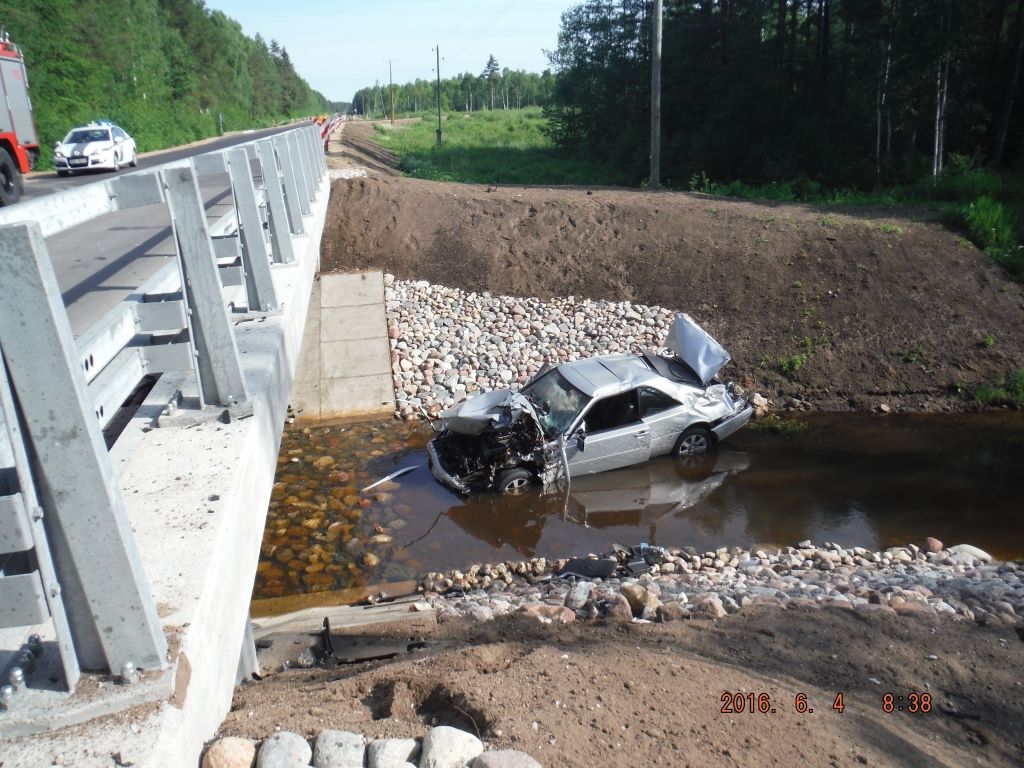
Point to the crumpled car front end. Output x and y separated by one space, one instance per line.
495 432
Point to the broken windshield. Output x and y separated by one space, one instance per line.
558 402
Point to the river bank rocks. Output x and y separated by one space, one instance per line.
448 344
440 747
961 582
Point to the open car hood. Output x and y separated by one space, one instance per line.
491 410
695 347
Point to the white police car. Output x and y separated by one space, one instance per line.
97 145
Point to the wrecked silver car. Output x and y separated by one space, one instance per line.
591 415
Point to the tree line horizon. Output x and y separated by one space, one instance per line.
840 93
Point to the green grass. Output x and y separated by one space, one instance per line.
1007 390
771 422
491 147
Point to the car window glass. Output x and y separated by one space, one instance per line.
653 401
119 134
557 401
613 412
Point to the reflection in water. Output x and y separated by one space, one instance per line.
856 480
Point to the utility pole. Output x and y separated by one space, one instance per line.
438 49
391 87
656 97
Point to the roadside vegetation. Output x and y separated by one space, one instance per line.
491 147
167 71
1007 390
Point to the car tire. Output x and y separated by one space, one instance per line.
63 173
10 179
695 441
135 159
117 163
514 481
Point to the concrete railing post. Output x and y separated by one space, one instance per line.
305 162
218 366
280 241
112 616
301 173
290 180
259 285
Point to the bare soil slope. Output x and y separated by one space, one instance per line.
867 306
629 695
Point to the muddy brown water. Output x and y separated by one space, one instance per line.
858 480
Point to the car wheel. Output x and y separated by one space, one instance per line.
117 163
135 159
514 481
10 180
695 441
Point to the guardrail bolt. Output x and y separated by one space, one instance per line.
127 673
26 660
35 644
17 678
6 697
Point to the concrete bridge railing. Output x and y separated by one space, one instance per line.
136 460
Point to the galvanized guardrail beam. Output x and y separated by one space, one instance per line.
112 616
78 565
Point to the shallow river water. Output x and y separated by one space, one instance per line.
858 480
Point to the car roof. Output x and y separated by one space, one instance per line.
606 375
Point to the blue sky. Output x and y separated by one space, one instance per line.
341 46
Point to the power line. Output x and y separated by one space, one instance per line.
447 36
483 29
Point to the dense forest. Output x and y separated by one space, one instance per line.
168 71
861 93
494 88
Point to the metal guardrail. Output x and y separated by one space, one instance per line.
67 553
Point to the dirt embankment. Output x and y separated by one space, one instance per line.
841 309
628 695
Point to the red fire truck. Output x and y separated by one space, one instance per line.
19 142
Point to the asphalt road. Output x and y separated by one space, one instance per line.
48 182
100 262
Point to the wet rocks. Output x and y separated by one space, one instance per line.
932 545
899 582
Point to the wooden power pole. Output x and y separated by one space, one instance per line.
656 97
438 49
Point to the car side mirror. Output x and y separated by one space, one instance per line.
581 437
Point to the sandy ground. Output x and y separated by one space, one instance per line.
895 308
652 694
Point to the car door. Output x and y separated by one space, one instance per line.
615 436
664 416
120 148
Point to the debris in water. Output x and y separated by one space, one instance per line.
392 476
